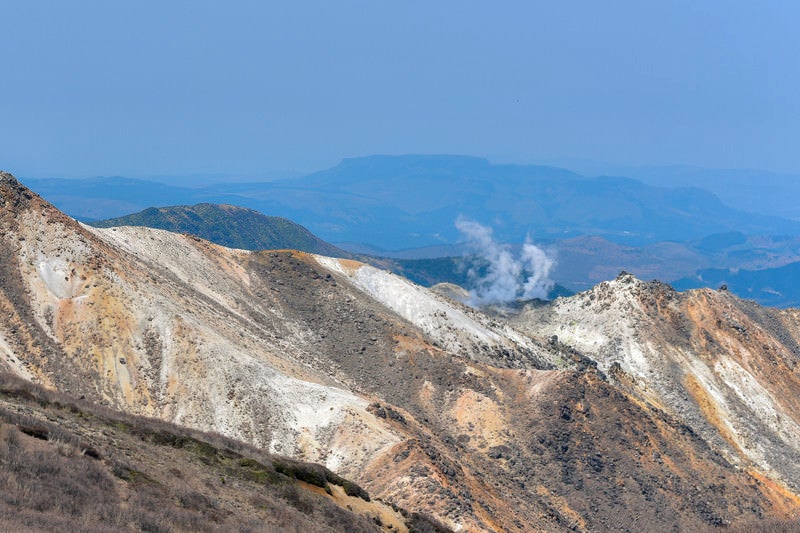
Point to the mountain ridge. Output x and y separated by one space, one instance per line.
228 225
409 200
485 422
710 337
406 202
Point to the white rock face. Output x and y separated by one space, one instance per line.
608 332
179 258
55 274
679 354
456 329
166 337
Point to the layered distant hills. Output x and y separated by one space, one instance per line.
406 207
771 286
396 202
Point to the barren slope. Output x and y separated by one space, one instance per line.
726 366
426 403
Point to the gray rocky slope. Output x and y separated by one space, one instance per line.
485 422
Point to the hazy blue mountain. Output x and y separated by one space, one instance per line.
772 286
761 191
106 197
397 202
235 227
412 201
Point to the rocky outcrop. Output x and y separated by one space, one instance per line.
726 367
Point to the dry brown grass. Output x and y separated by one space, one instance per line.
67 465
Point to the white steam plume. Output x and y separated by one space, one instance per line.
507 278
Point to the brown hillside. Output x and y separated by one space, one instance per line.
428 405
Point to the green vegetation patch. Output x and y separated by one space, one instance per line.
318 476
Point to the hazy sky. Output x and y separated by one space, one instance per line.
141 88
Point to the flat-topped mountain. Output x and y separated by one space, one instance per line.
486 422
409 201
412 200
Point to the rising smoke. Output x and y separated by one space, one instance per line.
497 275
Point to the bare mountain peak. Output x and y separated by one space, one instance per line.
12 190
15 197
7 177
11 186
719 362
627 287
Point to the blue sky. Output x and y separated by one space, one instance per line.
145 88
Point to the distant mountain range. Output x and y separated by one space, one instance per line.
771 286
405 207
410 201
759 190
397 202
